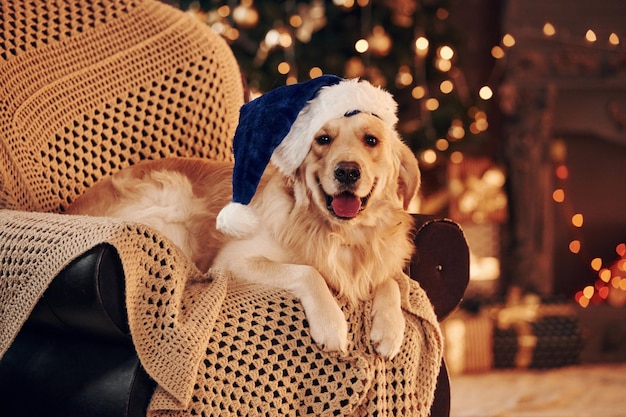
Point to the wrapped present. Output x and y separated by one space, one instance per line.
522 332
531 334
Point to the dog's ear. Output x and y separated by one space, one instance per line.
409 177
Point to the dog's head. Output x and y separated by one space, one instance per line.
357 168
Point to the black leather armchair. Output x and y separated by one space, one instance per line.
74 356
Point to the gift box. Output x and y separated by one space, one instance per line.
553 341
530 333
522 332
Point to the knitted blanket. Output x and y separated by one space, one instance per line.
89 87
217 345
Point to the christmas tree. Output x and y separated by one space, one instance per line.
408 47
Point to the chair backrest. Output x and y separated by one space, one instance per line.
87 88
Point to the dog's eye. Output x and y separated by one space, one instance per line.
370 140
323 139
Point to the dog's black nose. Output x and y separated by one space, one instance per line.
347 172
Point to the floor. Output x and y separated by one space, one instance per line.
578 391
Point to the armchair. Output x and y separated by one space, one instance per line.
100 317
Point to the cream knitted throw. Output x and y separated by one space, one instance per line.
87 88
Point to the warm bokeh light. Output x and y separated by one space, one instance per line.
508 40
588 291
315 72
295 21
456 157
429 156
596 264
497 52
446 52
548 29
421 45
603 292
558 195
361 46
418 92
485 93
443 65
562 172
574 246
578 220
432 104
446 86
283 68
404 77
621 249
456 130
605 274
442 144
614 39
591 36
442 14
615 282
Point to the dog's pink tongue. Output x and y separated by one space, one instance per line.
346 205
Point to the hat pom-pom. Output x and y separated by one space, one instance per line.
237 220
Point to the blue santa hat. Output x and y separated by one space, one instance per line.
280 126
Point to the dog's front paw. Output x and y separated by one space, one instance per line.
387 331
329 327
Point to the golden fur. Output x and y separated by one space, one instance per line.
301 245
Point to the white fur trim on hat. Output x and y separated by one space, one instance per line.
331 103
237 220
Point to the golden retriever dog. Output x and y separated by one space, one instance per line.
338 226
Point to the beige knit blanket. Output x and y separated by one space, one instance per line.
87 88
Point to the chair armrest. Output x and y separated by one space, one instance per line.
86 299
440 262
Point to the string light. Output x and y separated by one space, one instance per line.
609 277
508 40
418 92
421 46
485 93
548 29
497 52
361 46
446 87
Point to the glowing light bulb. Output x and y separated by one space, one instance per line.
591 36
421 44
596 264
548 29
508 40
577 220
432 104
442 144
497 52
429 156
574 246
456 157
315 72
446 86
361 46
605 275
284 67
485 93
418 92
558 195
446 52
